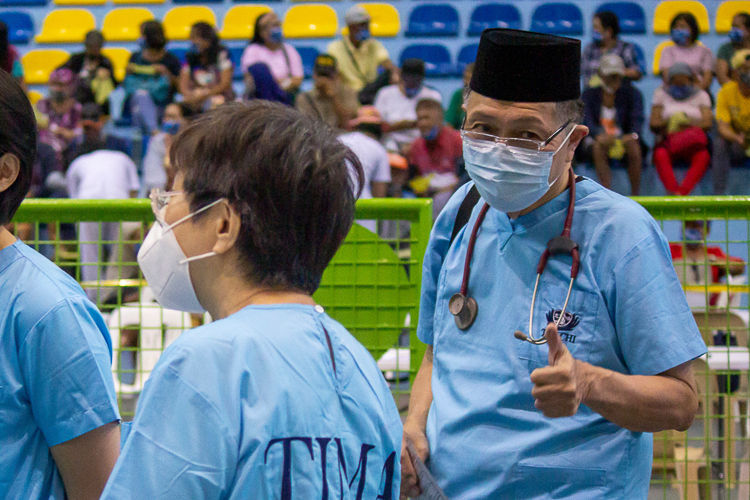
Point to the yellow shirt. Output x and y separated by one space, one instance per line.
358 66
733 108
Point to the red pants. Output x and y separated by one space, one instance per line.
698 165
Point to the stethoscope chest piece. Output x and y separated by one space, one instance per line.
464 310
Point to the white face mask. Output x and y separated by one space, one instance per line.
165 267
509 178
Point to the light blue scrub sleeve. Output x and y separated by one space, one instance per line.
65 360
437 248
654 324
179 445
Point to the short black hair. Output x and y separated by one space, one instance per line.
287 177
428 103
153 34
17 137
95 38
609 21
690 20
745 18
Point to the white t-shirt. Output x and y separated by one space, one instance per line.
102 175
394 106
374 159
690 106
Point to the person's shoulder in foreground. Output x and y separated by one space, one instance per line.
273 398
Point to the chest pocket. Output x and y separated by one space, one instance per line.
577 329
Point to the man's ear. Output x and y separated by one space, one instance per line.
576 137
10 167
227 227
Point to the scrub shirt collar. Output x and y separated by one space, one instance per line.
9 255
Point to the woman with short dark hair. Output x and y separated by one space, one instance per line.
684 32
273 399
605 34
739 39
206 76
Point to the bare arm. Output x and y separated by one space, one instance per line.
657 122
85 462
638 403
706 119
727 133
415 425
402 125
185 90
722 71
633 74
294 83
707 79
225 82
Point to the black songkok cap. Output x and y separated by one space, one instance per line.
521 66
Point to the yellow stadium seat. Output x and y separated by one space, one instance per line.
667 10
119 58
124 25
727 11
34 96
124 2
38 64
178 21
239 22
385 21
80 2
66 26
310 21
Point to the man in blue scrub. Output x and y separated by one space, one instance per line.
498 416
273 399
59 424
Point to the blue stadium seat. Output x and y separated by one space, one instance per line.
557 19
437 59
467 55
631 16
235 54
22 3
180 52
308 55
494 15
433 20
642 58
20 26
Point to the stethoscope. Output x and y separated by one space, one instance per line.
464 309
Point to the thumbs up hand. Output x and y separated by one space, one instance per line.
558 388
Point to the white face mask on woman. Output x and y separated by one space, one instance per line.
166 269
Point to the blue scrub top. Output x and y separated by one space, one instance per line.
628 314
55 371
250 407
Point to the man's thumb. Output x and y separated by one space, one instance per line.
556 346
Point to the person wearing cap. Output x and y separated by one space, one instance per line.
329 100
732 141
94 72
397 104
613 113
605 33
681 117
364 142
500 417
358 54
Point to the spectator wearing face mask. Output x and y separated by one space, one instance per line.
329 100
176 116
680 117
684 32
359 55
206 76
268 47
605 32
397 105
739 38
58 115
731 143
614 115
94 72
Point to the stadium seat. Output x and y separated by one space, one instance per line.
631 16
178 21
727 11
180 53
38 64
66 26
79 2
467 56
120 58
494 15
437 59
20 26
124 25
433 20
235 54
310 21
22 3
239 22
657 55
125 2
308 55
667 10
385 21
641 57
557 19
34 96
